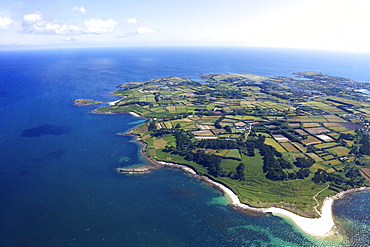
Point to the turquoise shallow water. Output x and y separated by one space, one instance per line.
58 184
353 213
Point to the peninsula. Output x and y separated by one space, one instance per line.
283 144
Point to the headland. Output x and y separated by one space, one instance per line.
280 145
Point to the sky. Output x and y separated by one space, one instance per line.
308 24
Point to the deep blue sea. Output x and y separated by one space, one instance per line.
58 184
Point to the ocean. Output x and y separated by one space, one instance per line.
58 183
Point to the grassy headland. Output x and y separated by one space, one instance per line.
275 141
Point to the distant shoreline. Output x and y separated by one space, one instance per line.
318 227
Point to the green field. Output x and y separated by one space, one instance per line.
275 144
326 145
310 140
234 153
339 151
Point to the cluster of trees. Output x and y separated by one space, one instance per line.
152 125
353 175
274 165
300 174
240 172
271 166
340 102
218 121
346 136
212 162
185 147
157 97
184 144
304 162
217 144
227 128
250 147
365 145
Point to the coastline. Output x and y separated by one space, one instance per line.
318 227
112 103
135 114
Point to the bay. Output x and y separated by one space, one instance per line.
58 184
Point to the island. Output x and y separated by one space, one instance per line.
86 102
284 145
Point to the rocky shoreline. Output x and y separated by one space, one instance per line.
137 170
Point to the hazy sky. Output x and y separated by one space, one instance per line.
317 24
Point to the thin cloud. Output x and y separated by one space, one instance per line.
5 22
139 31
131 21
79 9
99 26
35 24
30 18
127 35
70 40
145 30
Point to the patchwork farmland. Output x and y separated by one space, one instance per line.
315 136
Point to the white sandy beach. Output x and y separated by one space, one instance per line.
135 114
318 226
113 102
313 226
